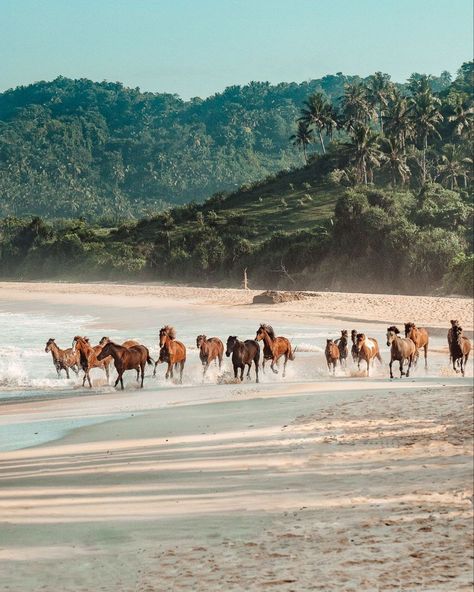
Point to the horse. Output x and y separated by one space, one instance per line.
127 358
401 349
63 359
172 351
368 349
420 338
332 355
243 354
454 323
88 358
341 343
274 348
209 350
354 350
128 343
459 348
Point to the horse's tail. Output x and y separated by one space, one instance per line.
149 359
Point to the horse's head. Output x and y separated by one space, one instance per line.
261 332
167 332
106 351
200 339
454 323
329 343
392 332
231 342
457 333
354 336
49 344
409 328
344 334
359 342
77 342
104 341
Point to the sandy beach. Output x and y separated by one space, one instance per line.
306 483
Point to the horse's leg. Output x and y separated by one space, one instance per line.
426 356
121 380
117 381
401 368
107 372
220 361
205 367
272 365
409 366
156 364
263 365
169 371
256 370
142 368
242 368
248 371
284 364
390 365
462 365
67 371
181 369
368 366
235 371
84 379
89 379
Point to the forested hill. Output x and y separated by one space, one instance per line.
72 148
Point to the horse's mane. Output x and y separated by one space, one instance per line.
268 329
394 329
169 330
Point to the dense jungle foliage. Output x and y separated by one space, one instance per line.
384 204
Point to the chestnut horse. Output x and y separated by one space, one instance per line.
209 350
127 358
459 349
88 358
128 343
63 359
342 344
172 351
274 348
243 354
368 349
332 355
420 338
401 349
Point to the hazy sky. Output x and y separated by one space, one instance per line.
198 47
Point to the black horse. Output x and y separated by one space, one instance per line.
243 354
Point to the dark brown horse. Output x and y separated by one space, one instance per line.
342 344
63 359
459 349
243 354
368 349
274 348
401 349
172 351
88 358
454 323
332 355
128 343
209 350
420 338
134 357
354 350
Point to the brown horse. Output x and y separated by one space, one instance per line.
88 358
127 358
274 348
342 344
368 349
172 351
128 343
354 350
209 350
459 349
63 359
243 354
420 338
454 323
401 349
332 355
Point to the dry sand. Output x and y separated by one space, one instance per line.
342 484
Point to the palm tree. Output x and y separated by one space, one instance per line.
397 120
364 152
462 117
453 166
396 160
302 138
355 106
379 90
319 113
425 116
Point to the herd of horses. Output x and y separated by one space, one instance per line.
132 355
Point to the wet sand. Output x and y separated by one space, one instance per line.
345 483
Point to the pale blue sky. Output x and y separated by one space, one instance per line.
198 47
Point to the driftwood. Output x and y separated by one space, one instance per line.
277 296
